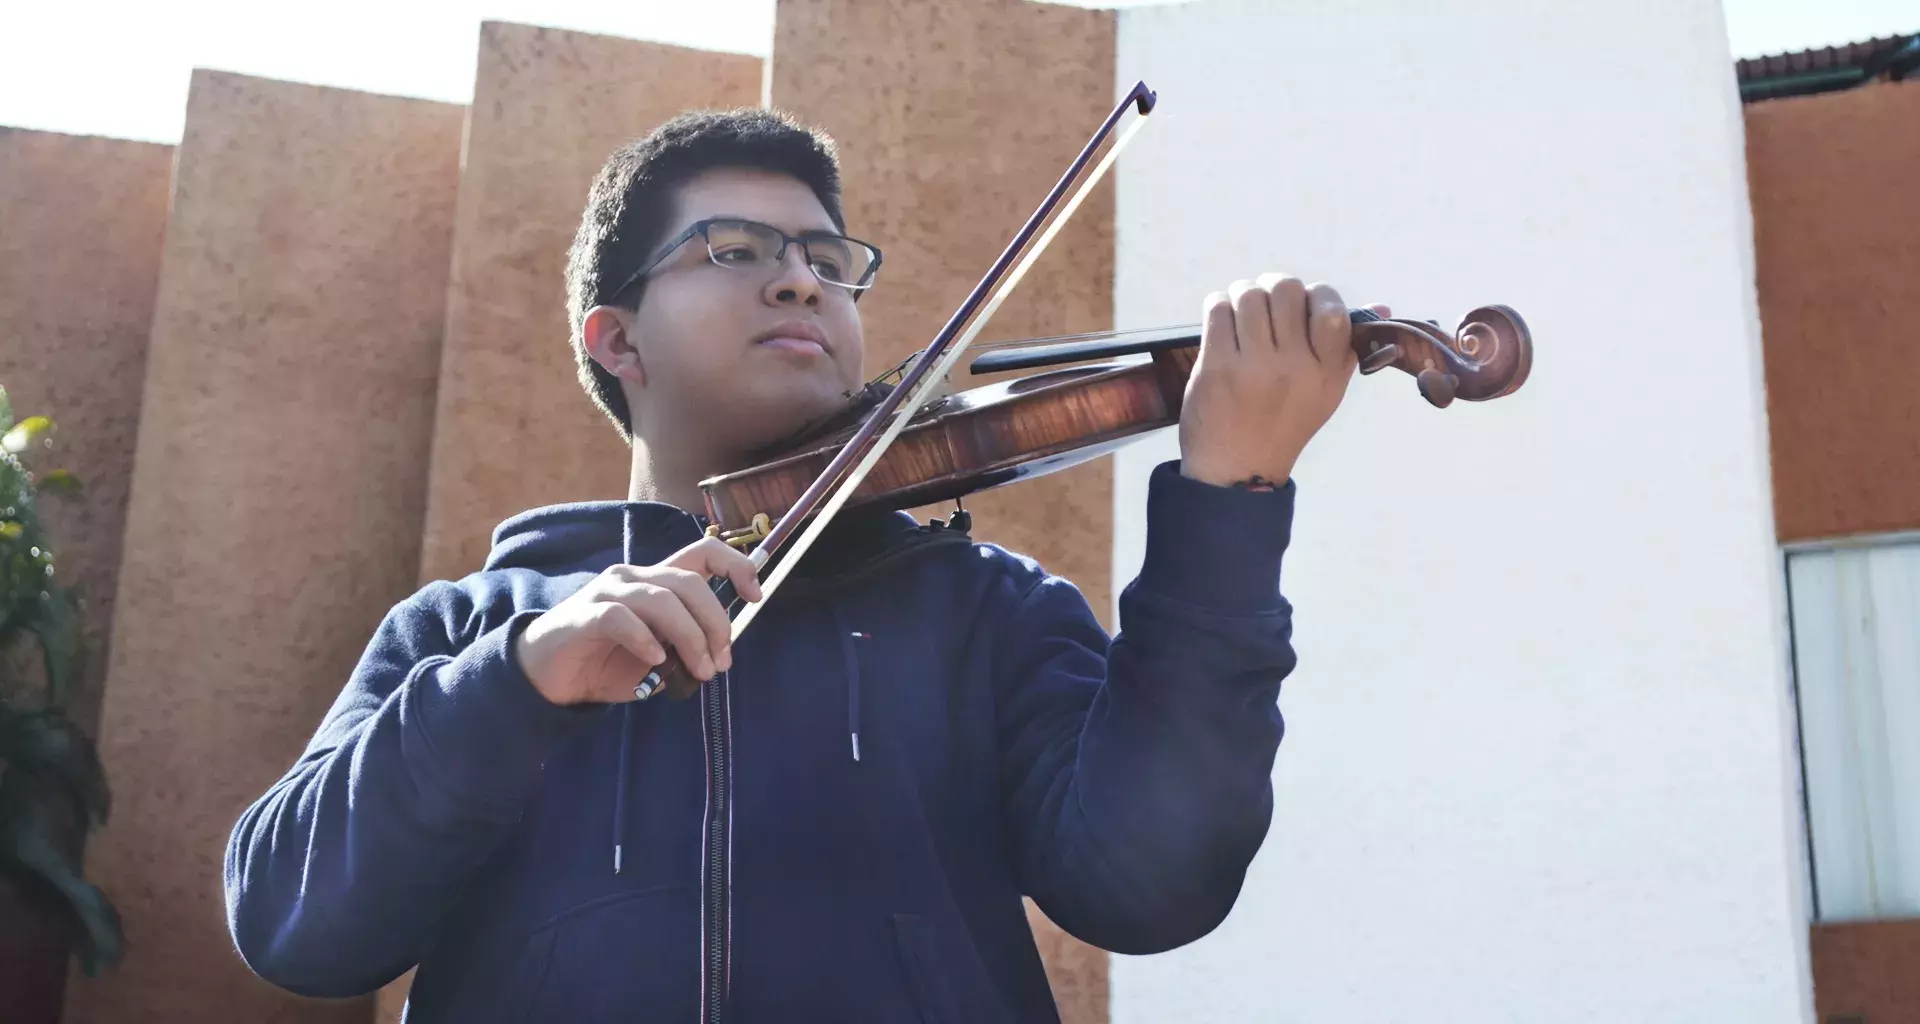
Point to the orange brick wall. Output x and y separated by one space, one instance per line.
1838 257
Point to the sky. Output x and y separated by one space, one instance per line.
120 68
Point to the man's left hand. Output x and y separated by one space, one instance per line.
1275 359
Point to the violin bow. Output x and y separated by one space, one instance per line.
921 382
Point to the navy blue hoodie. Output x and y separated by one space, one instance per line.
918 730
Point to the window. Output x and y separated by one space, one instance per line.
1856 654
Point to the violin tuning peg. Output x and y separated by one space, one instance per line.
1380 358
1437 387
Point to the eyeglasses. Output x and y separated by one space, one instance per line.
749 245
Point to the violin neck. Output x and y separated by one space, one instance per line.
1133 343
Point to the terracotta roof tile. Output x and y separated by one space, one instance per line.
1826 58
1895 56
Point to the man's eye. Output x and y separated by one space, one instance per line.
735 254
829 269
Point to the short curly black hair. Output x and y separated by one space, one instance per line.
632 199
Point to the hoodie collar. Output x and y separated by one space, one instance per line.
594 534
590 534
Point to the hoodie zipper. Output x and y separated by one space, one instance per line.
716 879
716 859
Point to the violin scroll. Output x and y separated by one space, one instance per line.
1488 356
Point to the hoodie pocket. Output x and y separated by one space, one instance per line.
918 944
601 959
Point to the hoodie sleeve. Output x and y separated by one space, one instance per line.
1137 774
337 877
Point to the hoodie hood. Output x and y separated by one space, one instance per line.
590 535
585 532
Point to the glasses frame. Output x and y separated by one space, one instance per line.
700 228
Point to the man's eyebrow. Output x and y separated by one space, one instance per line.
827 232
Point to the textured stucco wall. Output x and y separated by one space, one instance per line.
276 501
953 120
81 220
1538 761
1835 211
514 428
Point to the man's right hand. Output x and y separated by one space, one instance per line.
596 645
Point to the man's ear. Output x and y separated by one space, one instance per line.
607 333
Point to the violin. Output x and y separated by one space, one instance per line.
919 442
968 441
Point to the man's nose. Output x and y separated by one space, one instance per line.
794 281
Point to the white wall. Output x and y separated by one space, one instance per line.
1538 764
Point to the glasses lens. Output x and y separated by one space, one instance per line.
838 260
742 244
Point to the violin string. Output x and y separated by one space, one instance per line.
896 371
928 387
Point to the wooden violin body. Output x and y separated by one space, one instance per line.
977 439
986 437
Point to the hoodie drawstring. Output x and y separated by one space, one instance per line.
852 656
620 785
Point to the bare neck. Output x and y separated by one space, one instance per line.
671 469
667 474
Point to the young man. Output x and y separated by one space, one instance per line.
917 731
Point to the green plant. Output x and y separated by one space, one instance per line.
52 786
